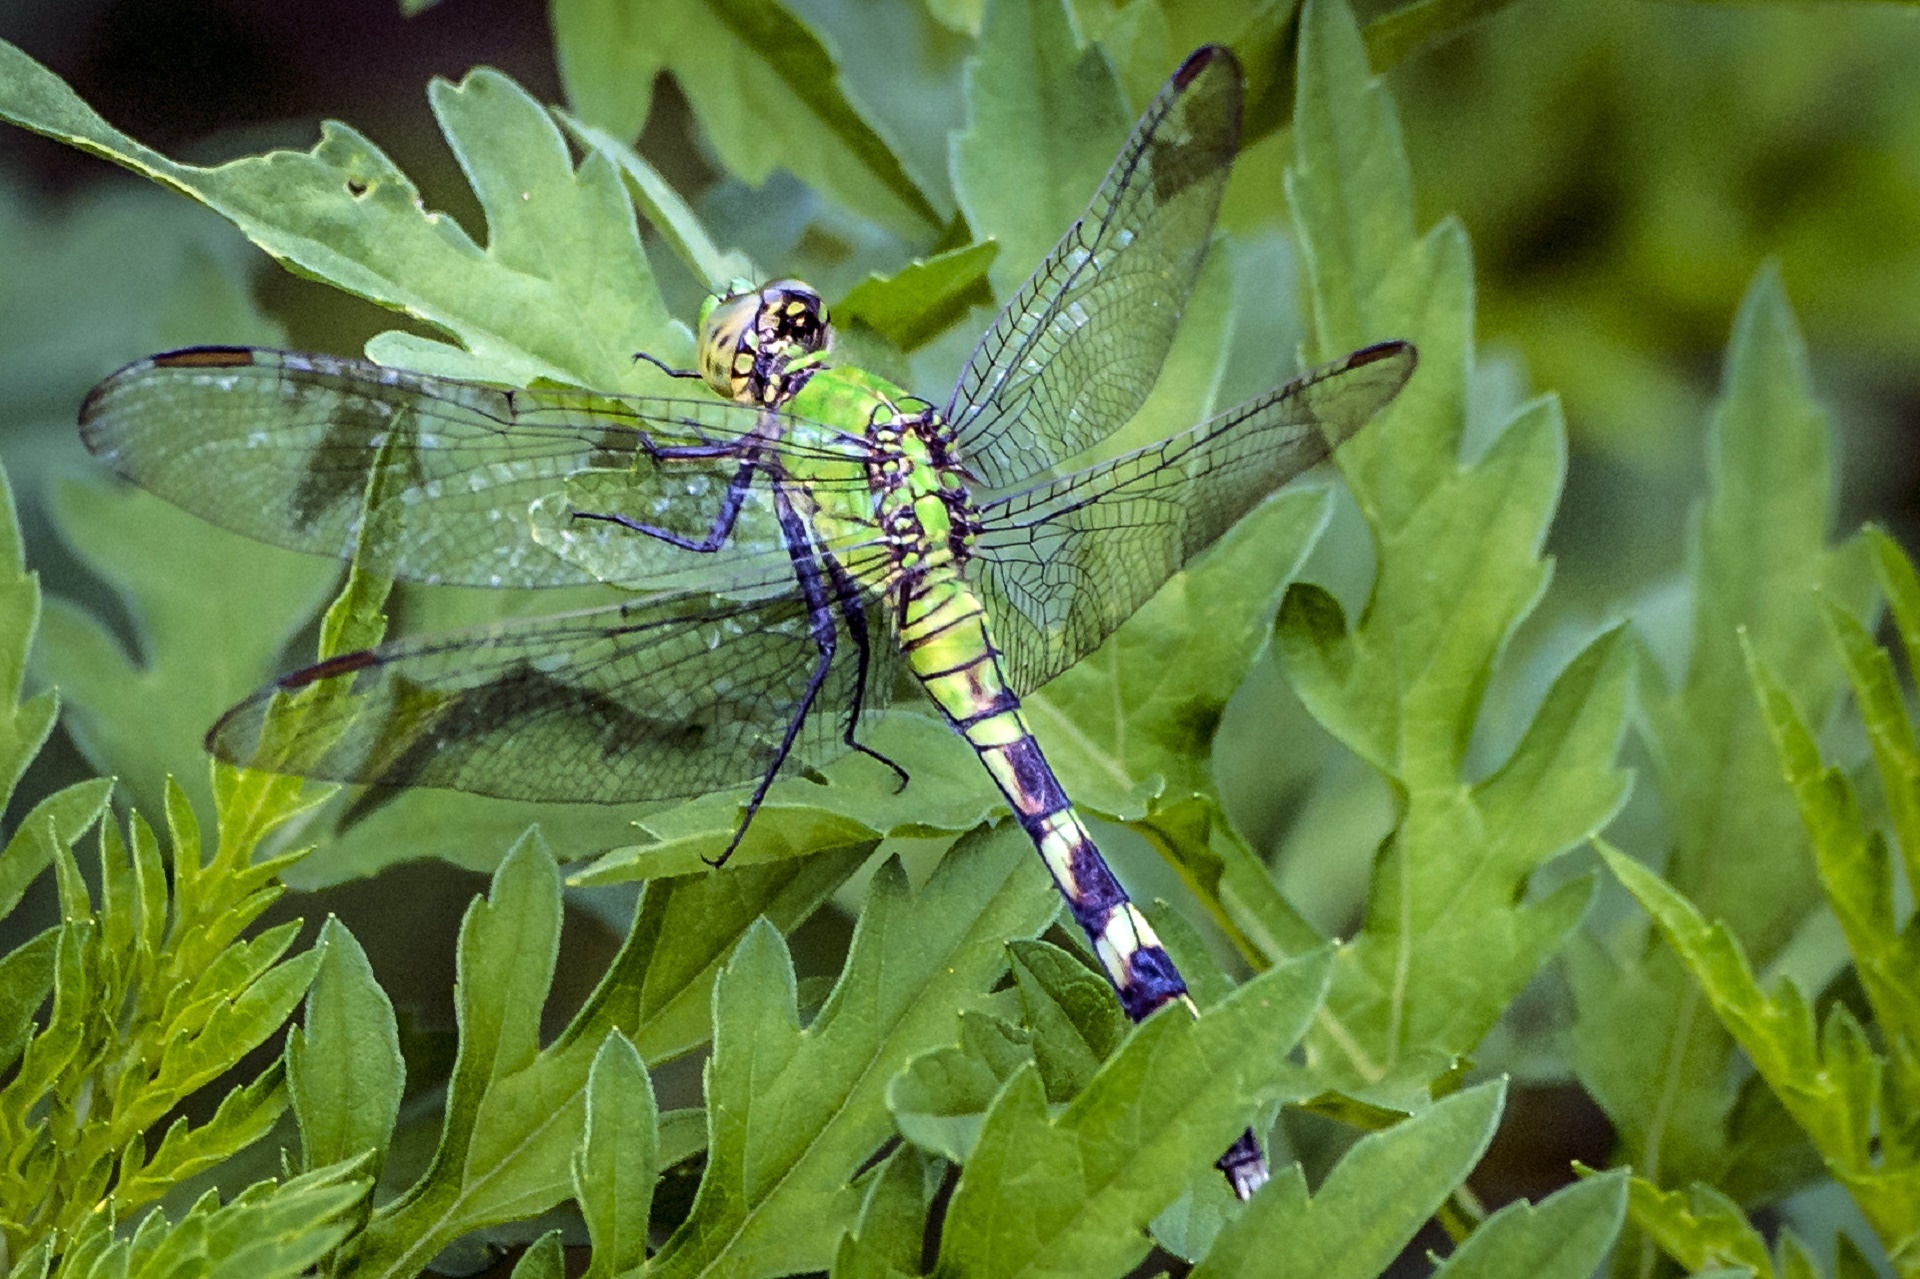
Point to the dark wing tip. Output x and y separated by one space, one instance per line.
1202 58
204 357
1396 352
1389 350
344 664
187 357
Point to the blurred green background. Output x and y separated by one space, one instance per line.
1621 168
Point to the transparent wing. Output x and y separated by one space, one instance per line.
1076 350
280 446
1062 564
646 700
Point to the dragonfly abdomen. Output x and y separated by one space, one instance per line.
944 633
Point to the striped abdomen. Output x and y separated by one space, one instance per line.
943 631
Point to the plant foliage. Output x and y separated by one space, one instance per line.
185 1090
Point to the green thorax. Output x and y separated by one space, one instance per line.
919 492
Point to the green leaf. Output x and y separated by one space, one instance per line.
861 801
922 298
939 1100
663 208
1121 716
491 1164
617 1164
1073 1013
793 1113
23 727
1449 938
152 1000
1644 1044
542 1260
1565 1236
26 979
1830 1082
659 990
1072 1193
1700 1230
1855 870
1229 879
1883 707
764 84
344 1069
61 818
246 1115
1044 121
562 290
268 1232
887 1240
1372 1203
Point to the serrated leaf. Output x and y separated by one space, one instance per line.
792 1112
246 1115
268 1232
659 992
344 1070
922 298
508 944
1073 1194
1075 1018
561 291
1044 120
1565 1236
663 208
940 1098
764 84
1372 1203
614 1171
59 819
946 793
1830 1084
26 979
1855 868
1702 1230
1644 1045
890 1235
1449 937
1883 710
23 728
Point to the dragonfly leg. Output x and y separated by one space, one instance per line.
716 536
855 615
806 571
664 367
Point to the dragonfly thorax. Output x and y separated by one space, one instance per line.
923 503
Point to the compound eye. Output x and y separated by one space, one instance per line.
724 323
794 314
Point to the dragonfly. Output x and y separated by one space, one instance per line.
780 548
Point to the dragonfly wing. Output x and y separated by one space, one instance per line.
654 699
1064 563
282 447
1077 349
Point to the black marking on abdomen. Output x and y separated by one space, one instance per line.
1153 982
1040 795
971 664
1002 702
1099 892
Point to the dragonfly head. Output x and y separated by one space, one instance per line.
750 334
